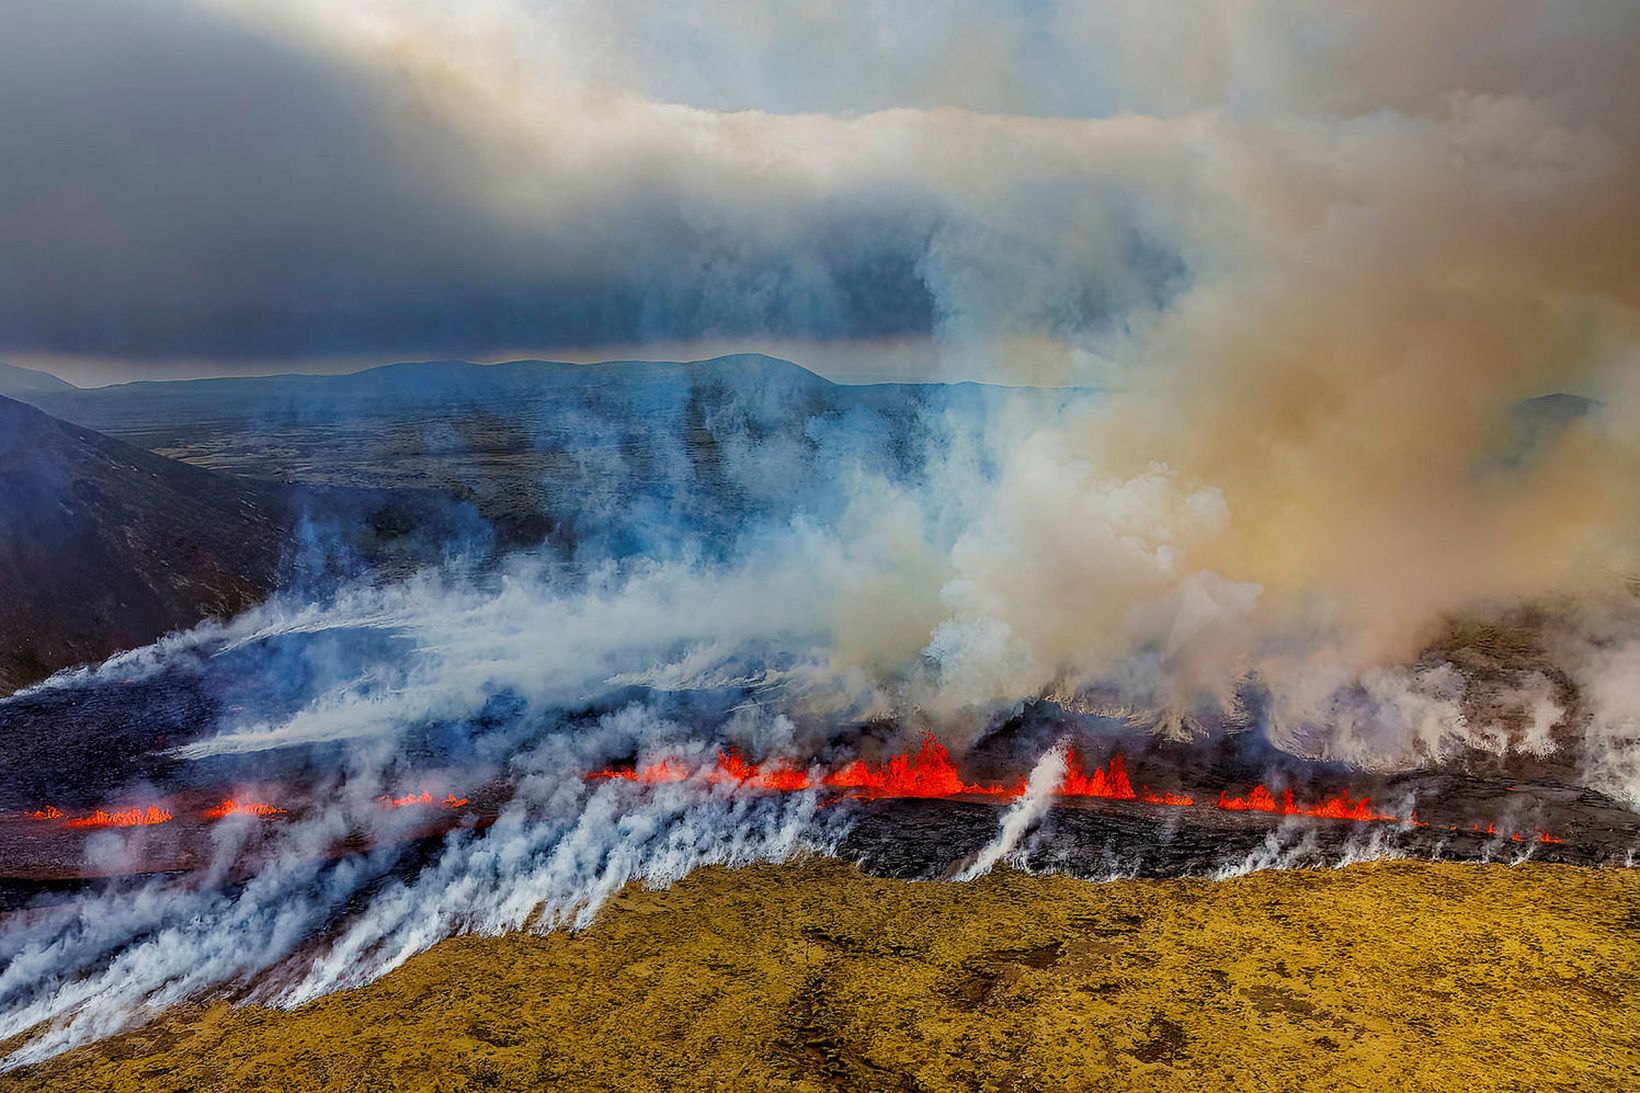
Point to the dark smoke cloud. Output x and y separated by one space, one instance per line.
176 183
213 179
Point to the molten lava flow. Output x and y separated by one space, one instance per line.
1545 837
50 812
1112 782
1150 797
1341 807
929 773
1260 800
131 817
733 767
231 807
667 770
423 798
784 778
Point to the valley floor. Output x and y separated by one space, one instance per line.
813 976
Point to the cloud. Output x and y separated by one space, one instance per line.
234 180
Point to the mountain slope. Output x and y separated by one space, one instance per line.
635 456
104 546
27 381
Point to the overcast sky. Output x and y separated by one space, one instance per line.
1011 190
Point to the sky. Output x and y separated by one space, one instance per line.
1026 191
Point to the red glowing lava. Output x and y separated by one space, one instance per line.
50 812
424 798
1341 807
231 807
1112 782
1260 800
667 770
131 817
929 773
733 767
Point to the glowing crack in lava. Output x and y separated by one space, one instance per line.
1176 800
929 773
231 807
1341 807
424 798
50 812
131 817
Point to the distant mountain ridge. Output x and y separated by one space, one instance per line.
638 454
453 382
16 380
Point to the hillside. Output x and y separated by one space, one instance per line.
15 381
105 546
812 976
622 457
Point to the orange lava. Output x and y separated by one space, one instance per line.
1341 807
231 807
1260 800
667 770
131 817
424 798
1111 782
50 812
929 773
733 767
1545 837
